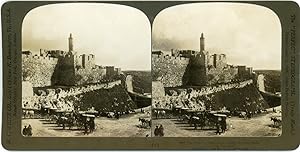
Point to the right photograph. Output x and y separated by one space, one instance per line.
216 71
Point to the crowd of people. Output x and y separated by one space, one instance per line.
89 126
73 91
188 98
38 102
56 98
27 130
159 131
190 92
61 99
221 126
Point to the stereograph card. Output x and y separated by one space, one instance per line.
150 75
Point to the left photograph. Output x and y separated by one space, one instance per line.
86 71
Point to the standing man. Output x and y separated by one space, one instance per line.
156 131
29 133
223 125
24 132
218 123
161 130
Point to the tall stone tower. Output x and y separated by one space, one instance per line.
202 43
198 70
70 43
66 72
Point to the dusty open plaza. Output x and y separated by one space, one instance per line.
257 126
125 126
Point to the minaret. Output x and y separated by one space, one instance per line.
202 42
70 43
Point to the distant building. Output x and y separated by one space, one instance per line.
201 69
110 70
157 52
26 52
118 71
58 67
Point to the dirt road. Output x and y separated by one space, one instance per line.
126 126
255 127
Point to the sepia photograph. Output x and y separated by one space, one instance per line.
216 71
80 76
150 75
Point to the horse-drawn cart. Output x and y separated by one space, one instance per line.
161 113
204 119
31 113
89 123
79 119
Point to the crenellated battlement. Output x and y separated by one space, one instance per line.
195 91
67 68
45 58
168 57
195 68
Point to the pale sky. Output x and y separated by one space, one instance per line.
248 34
117 35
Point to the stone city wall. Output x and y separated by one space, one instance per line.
221 75
85 76
38 70
169 70
158 90
62 98
48 71
177 71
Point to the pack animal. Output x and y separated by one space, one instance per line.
159 113
276 121
145 122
